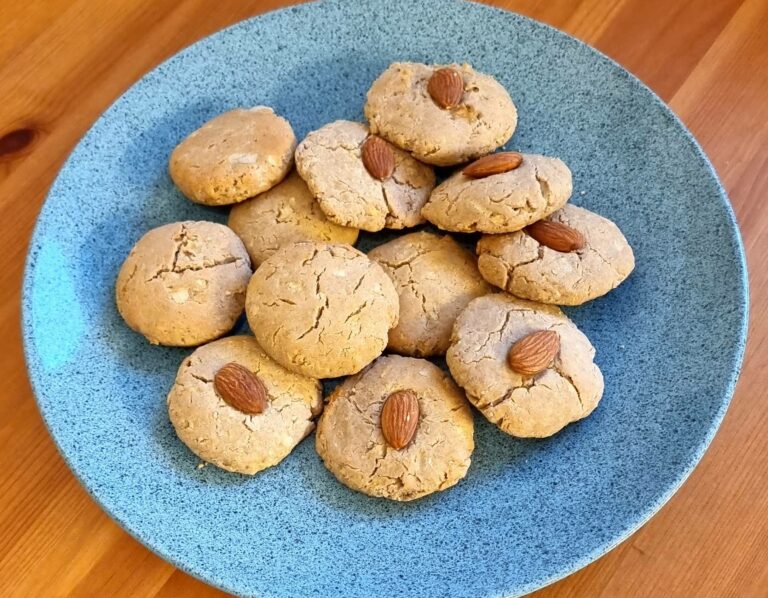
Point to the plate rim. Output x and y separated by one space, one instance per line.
649 511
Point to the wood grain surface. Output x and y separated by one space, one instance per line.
62 62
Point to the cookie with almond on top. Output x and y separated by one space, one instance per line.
234 407
400 429
500 193
525 366
441 114
568 259
362 181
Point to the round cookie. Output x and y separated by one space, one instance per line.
524 406
183 284
352 446
285 214
500 203
521 265
435 278
330 161
234 156
400 109
220 434
321 310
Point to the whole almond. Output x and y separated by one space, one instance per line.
399 418
378 158
556 235
534 353
493 164
446 87
240 388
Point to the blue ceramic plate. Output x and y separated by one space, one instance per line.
669 340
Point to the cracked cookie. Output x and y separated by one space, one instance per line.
435 278
566 385
401 108
285 214
503 202
183 284
221 434
320 309
530 269
234 156
331 162
437 423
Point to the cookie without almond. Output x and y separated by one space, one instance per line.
330 161
352 446
399 108
285 214
521 265
220 434
183 284
435 278
234 156
322 310
527 406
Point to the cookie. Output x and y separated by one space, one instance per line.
234 156
285 214
435 278
320 309
352 446
528 406
399 108
330 161
521 265
219 433
500 203
183 284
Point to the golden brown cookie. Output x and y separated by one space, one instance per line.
234 156
531 406
331 161
221 434
435 278
285 214
351 443
523 266
320 309
183 284
500 203
400 108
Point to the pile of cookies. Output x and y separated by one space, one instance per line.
398 426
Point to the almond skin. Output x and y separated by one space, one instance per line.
241 389
378 158
534 353
556 235
446 87
400 418
493 164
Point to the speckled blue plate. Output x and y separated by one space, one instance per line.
669 340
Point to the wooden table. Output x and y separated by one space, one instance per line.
62 62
